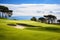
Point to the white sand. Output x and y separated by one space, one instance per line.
20 27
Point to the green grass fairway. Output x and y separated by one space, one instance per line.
41 32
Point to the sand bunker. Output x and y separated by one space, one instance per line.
18 26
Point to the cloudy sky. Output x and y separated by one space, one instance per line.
33 7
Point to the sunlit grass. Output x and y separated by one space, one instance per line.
10 33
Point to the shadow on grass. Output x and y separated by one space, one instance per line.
52 29
27 25
11 24
56 23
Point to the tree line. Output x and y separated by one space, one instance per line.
50 19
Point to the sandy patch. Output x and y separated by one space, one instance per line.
19 26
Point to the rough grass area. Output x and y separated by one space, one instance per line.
10 33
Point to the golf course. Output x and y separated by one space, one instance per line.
32 30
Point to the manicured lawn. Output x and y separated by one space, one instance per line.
42 32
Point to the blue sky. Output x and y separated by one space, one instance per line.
30 1
33 7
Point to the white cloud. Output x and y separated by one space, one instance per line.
34 9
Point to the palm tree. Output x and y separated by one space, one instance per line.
50 18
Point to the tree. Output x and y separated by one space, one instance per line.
5 11
42 19
58 21
2 8
50 18
8 13
33 19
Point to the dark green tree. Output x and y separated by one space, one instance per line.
33 19
50 18
8 13
58 21
5 11
2 8
42 19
